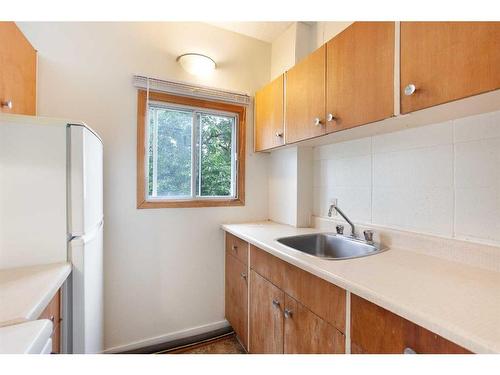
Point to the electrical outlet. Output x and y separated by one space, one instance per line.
334 202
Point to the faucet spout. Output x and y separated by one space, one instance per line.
334 207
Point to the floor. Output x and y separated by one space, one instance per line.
228 344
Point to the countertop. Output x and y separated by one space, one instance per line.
26 291
25 338
457 301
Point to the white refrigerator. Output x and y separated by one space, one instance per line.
51 210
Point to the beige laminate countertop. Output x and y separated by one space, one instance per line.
26 291
457 301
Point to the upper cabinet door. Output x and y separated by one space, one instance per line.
360 75
305 98
269 115
446 61
17 71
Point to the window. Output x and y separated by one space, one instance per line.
191 152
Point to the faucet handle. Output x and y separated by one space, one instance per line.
368 236
340 229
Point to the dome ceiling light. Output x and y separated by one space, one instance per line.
196 63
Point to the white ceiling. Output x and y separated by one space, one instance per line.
265 31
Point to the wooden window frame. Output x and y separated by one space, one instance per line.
142 202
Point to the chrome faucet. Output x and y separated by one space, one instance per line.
330 210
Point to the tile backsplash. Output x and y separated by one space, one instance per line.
441 179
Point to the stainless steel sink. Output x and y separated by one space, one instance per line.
331 246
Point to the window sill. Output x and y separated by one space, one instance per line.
191 203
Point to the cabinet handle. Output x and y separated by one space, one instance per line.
243 275
409 351
279 134
276 303
410 89
288 313
317 121
330 117
7 104
234 247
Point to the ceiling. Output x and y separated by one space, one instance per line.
265 31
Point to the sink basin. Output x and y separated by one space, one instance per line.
331 246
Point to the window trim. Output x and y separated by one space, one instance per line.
240 111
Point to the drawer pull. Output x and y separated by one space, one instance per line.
288 313
409 351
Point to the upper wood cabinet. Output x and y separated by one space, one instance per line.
375 330
446 61
269 115
305 98
17 71
360 75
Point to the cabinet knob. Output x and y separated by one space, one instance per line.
317 121
234 247
276 303
330 117
279 134
409 351
410 89
7 104
288 313
243 275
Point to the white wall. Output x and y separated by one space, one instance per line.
299 40
282 185
283 51
441 179
327 30
164 268
290 187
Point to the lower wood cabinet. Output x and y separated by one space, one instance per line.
53 313
281 308
266 316
236 293
307 333
375 330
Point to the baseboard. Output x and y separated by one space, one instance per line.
159 343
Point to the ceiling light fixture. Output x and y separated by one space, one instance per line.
197 64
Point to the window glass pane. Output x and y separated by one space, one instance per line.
215 154
170 152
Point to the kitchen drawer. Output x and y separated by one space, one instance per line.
53 313
375 330
321 297
237 247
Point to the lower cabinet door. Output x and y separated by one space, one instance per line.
306 333
266 316
375 330
237 297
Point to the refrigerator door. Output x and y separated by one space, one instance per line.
85 180
87 292
33 223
